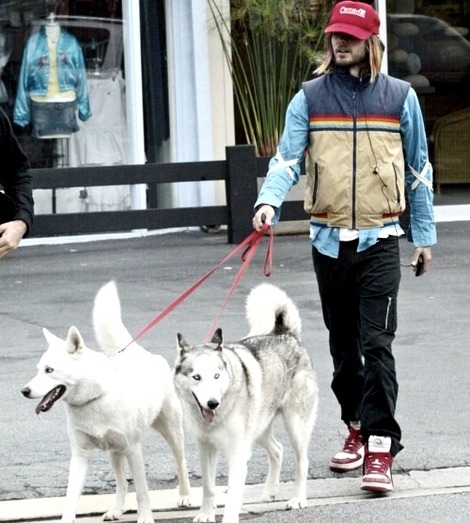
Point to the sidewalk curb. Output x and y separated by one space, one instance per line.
319 492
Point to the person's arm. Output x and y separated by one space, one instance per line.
11 233
419 180
17 183
284 168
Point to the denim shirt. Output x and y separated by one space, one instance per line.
34 74
284 171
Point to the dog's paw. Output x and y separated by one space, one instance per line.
230 518
184 501
269 494
270 491
146 518
112 515
295 503
204 517
268 497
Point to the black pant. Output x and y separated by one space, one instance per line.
358 293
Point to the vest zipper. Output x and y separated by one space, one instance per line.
354 160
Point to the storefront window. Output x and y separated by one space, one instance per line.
428 45
63 85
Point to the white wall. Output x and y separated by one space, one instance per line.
221 88
200 94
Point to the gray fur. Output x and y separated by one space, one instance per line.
232 393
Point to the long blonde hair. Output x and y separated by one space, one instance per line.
375 49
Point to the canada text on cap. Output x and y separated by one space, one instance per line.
354 18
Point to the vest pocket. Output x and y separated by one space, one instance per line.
315 184
397 185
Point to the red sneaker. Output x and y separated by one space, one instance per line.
378 465
351 456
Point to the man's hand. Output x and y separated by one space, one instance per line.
264 214
425 253
11 234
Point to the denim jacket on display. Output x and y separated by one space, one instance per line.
34 74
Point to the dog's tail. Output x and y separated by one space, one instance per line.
270 311
111 334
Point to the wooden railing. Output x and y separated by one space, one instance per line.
240 172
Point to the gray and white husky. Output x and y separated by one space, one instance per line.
111 397
232 393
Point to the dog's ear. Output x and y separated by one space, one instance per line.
74 342
51 338
182 344
218 338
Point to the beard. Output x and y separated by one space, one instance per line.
361 60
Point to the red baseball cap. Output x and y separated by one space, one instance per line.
354 18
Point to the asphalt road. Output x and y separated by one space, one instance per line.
53 286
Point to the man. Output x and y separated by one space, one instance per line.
16 203
363 137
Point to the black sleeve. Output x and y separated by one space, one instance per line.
14 174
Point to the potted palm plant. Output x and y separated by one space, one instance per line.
271 47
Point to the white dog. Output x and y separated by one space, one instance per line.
233 392
111 397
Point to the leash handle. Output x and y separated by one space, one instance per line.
268 262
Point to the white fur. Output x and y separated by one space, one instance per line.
263 304
233 392
110 400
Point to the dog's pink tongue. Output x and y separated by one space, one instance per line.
208 415
42 406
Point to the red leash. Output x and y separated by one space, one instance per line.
250 245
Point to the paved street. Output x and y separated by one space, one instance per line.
54 286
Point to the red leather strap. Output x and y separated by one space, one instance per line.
247 256
250 245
